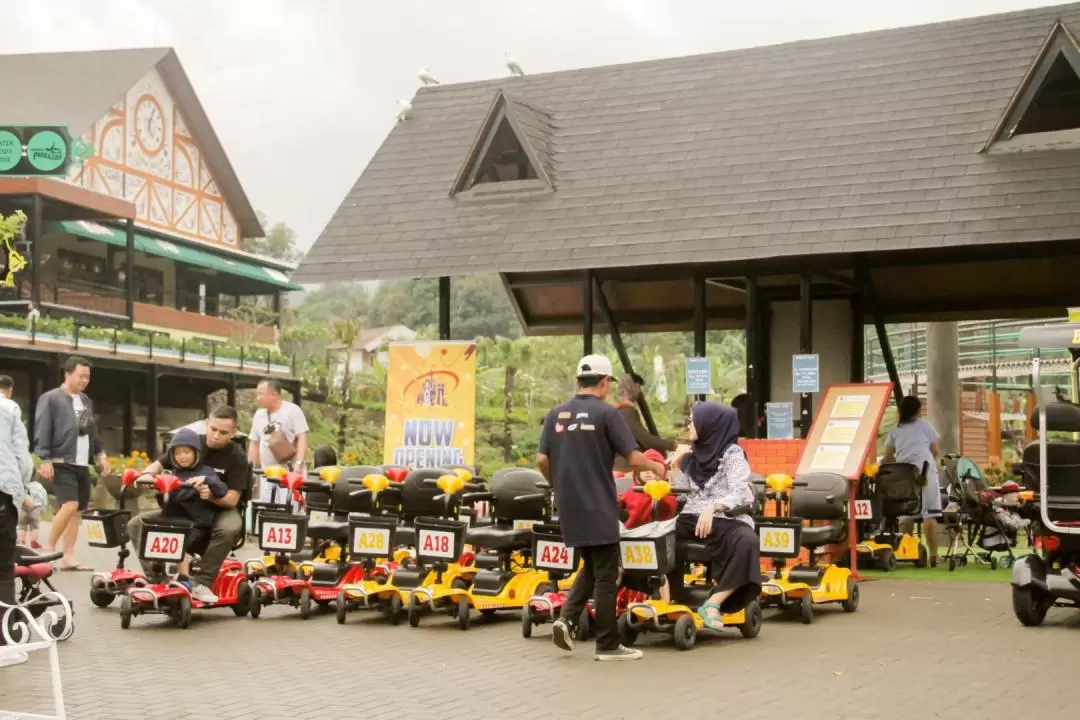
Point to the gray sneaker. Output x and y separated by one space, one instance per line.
203 594
619 653
563 635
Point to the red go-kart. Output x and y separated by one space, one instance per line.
164 540
108 529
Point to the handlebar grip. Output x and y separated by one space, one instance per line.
529 497
543 485
360 492
740 510
800 483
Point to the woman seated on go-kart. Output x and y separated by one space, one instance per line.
715 470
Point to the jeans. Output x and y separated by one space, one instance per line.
599 578
227 528
9 518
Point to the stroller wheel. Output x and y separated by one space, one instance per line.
1006 562
993 563
952 564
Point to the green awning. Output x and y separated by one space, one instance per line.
174 251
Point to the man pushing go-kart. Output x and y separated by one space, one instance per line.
230 463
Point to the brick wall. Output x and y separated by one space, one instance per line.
773 456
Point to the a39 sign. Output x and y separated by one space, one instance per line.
39 150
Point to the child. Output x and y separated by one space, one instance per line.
30 519
184 460
324 456
639 508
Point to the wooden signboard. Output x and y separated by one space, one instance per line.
845 429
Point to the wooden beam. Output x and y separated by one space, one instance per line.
624 357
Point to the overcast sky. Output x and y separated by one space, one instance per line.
269 72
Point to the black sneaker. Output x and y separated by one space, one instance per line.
619 653
563 635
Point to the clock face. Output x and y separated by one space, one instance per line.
149 125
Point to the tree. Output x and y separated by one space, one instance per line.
511 354
12 262
479 307
346 332
279 242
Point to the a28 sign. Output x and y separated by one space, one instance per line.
638 555
164 546
371 542
776 540
554 556
435 544
95 532
278 536
864 510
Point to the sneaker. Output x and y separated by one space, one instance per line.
562 635
620 653
203 594
13 658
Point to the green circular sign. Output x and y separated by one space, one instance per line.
46 151
10 150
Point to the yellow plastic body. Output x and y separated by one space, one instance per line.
833 587
668 613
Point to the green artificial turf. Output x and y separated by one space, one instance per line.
973 572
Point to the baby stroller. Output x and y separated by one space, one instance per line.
978 517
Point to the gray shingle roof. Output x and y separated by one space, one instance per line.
77 89
848 144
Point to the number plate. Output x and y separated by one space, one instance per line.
525 524
637 555
166 546
553 555
776 540
435 543
95 532
372 542
864 510
277 536
318 516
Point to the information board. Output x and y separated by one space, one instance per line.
845 429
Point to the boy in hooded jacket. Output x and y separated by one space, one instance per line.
184 460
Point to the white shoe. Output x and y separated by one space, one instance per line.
7 659
203 594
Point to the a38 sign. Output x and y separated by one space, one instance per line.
278 536
554 555
638 555
164 546
435 544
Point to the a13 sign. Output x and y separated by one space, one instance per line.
278 536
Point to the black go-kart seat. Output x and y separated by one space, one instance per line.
499 537
697 551
348 482
821 496
329 531
509 487
897 489
318 500
1062 463
418 498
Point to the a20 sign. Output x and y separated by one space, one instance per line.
166 546
278 536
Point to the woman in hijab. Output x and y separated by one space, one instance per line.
715 470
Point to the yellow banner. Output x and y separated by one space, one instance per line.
430 404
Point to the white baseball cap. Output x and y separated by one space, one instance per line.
594 366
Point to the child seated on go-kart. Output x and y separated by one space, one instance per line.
185 462
638 508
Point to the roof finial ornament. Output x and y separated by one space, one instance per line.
514 66
426 77
403 113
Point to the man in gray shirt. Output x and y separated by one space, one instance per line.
277 423
66 439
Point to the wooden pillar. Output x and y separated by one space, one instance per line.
806 347
1030 435
587 313
230 392
37 381
858 339
444 308
753 333
152 411
128 439
129 273
37 219
277 308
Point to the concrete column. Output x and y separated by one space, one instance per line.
943 383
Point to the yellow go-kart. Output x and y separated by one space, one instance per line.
896 491
649 552
815 496
374 538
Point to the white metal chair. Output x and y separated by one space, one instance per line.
22 632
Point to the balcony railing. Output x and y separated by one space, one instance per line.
142 346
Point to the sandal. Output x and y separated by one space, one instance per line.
709 621
77 567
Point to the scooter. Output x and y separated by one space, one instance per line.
108 529
164 540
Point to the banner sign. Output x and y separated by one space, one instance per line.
430 404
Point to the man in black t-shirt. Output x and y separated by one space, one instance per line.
231 464
577 453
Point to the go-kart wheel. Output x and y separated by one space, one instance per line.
584 625
460 584
993 563
305 603
752 626
125 612
243 599
393 611
924 557
183 612
1006 562
685 633
887 561
526 622
255 605
414 611
544 589
627 634
342 608
99 596
851 603
963 561
1030 605
806 609
463 614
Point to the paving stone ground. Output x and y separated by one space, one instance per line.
913 650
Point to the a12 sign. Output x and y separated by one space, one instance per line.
164 546
278 536
553 555
864 510
435 544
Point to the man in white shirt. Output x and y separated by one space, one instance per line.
278 426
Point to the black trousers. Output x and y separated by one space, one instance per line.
9 520
733 546
598 578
